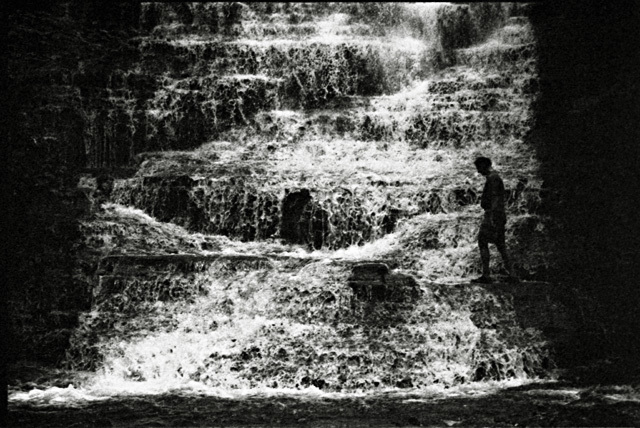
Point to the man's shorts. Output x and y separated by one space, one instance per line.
492 233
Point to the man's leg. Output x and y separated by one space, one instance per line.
485 256
484 236
502 248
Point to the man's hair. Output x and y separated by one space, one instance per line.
482 161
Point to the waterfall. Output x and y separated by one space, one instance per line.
374 113
304 209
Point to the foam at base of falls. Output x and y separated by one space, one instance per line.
103 389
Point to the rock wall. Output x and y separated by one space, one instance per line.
587 140
57 59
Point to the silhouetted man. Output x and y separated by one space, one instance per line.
493 223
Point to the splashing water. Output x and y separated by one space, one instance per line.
103 390
289 327
295 331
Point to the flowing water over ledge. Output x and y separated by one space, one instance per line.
222 324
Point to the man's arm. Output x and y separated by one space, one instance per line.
496 190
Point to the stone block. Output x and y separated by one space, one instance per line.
373 282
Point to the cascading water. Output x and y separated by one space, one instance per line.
375 113
282 328
290 321
239 318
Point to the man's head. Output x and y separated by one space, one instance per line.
483 165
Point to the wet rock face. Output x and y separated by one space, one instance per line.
165 277
163 88
280 80
230 206
172 76
296 321
239 205
358 326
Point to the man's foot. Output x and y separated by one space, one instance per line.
482 280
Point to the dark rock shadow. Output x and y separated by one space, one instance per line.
57 55
587 138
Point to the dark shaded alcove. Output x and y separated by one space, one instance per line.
293 207
300 222
587 137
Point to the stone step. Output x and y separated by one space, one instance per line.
459 128
227 19
443 124
517 32
335 26
186 112
388 118
163 277
255 20
258 207
245 56
499 56
373 282
166 277
481 100
347 67
451 230
546 306
465 78
445 246
139 264
279 30
518 20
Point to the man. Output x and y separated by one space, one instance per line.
493 223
